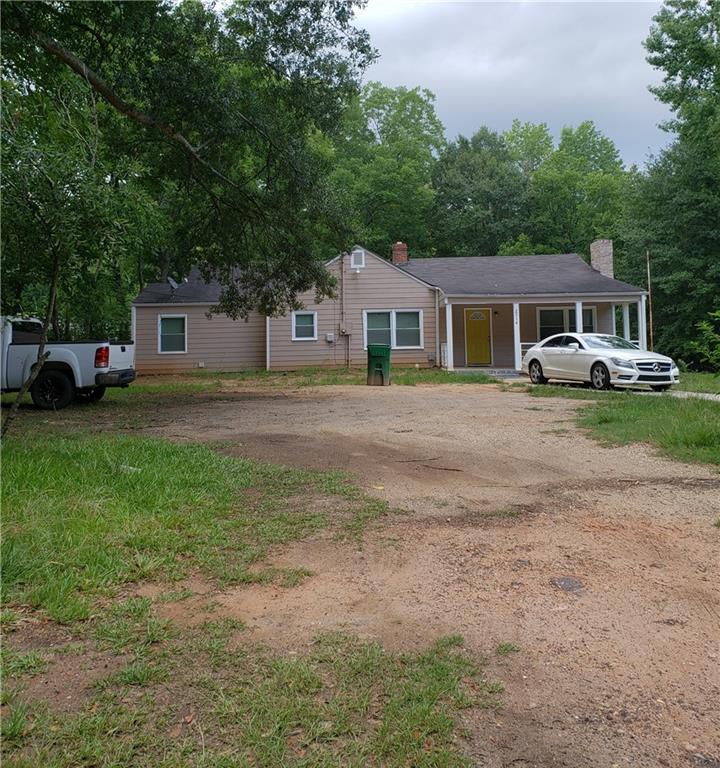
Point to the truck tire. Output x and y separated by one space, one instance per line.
90 395
52 390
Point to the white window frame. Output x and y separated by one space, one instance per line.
315 325
393 336
162 317
566 318
353 254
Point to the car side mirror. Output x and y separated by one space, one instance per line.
574 345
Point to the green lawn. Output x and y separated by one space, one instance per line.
683 428
87 514
699 382
115 509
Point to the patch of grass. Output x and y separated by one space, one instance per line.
573 392
15 664
174 596
116 509
14 723
344 703
129 625
140 672
685 429
699 382
505 649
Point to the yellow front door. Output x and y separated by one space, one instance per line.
477 337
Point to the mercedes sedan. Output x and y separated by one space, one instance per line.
600 360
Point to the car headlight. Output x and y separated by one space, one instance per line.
620 363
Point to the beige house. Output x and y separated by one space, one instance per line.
457 312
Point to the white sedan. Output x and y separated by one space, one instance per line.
600 360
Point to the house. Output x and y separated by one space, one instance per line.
458 312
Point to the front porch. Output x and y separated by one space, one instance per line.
486 332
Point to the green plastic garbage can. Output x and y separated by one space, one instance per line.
378 373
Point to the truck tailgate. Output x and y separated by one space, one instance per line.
122 355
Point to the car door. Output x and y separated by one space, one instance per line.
576 361
551 357
563 356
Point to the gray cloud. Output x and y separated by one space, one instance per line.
558 63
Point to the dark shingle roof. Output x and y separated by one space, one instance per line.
194 291
564 273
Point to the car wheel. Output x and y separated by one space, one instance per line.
52 390
659 387
90 395
536 373
599 377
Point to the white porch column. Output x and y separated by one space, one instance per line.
449 336
642 323
578 317
516 336
612 316
626 322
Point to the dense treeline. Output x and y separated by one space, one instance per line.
256 147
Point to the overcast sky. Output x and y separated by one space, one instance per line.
559 63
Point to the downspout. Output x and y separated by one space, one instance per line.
267 342
437 328
343 330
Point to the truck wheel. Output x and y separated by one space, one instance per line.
52 390
90 395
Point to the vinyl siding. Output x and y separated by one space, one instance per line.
221 343
377 286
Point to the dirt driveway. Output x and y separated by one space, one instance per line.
600 564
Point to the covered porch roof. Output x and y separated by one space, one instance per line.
530 277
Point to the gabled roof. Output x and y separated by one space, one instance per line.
564 273
194 291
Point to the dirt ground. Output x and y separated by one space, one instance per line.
601 564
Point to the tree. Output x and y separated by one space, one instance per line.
530 145
480 201
576 193
673 209
383 166
220 115
684 41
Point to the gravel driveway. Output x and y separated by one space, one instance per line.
600 564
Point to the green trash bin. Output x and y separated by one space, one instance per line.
378 373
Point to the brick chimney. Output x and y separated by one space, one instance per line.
399 253
601 257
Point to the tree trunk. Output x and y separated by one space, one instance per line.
42 354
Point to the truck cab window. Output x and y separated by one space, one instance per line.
26 331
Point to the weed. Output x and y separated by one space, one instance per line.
505 649
15 664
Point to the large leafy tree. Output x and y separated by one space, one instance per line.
673 210
383 166
576 193
480 196
218 118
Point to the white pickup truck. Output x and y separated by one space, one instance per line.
77 370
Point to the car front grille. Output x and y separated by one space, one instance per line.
657 379
653 366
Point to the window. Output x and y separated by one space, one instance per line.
172 334
399 328
551 320
304 326
407 329
378 328
357 259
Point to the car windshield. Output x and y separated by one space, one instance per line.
608 342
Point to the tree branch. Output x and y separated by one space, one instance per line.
53 47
